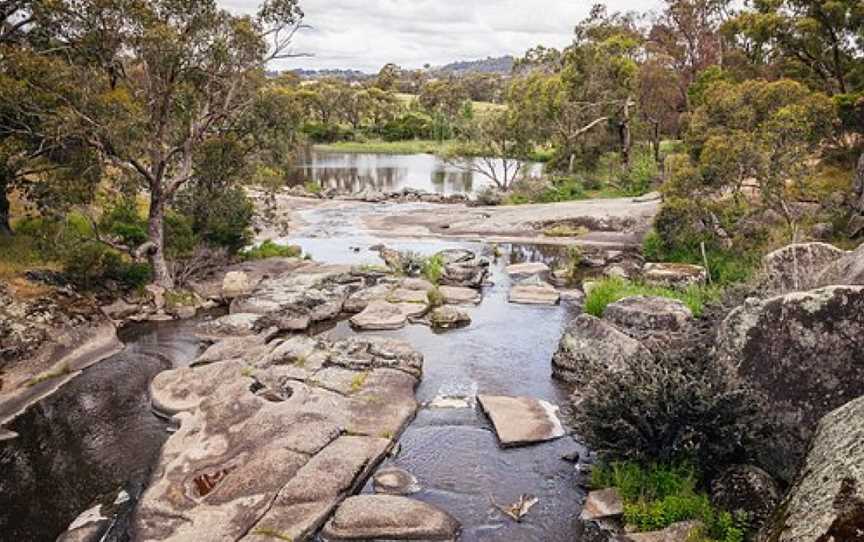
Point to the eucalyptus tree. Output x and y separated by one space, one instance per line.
159 80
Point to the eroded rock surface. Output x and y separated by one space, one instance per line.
827 501
589 342
798 266
294 301
803 351
274 435
534 293
448 317
390 518
644 317
676 275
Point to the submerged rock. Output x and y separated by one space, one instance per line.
803 352
391 518
395 481
589 343
521 420
526 269
827 501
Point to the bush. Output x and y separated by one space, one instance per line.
658 496
270 249
433 268
673 407
326 133
612 289
410 125
220 216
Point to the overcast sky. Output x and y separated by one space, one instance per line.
366 34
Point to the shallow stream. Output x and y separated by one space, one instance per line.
97 435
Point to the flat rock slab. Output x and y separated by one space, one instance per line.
521 420
230 325
380 315
534 294
676 275
391 518
457 295
526 269
602 504
448 317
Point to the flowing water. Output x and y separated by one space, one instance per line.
353 172
97 435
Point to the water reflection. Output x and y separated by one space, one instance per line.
354 172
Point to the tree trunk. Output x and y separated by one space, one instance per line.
156 233
858 185
657 142
624 133
5 226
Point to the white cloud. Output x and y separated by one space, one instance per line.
366 34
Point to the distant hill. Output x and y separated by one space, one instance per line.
502 65
348 75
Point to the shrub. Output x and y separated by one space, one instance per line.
612 289
673 407
658 495
409 125
433 268
271 249
220 216
435 297
725 266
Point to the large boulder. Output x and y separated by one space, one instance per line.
749 490
448 317
827 501
644 317
589 343
805 352
391 518
798 266
848 269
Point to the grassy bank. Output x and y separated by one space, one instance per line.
375 146
610 290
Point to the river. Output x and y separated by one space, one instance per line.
353 172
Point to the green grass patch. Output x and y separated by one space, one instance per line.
271 249
358 382
612 289
562 230
435 297
19 253
377 146
56 372
658 496
312 187
433 268
725 266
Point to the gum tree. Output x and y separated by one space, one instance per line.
161 79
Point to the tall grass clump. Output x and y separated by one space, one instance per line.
612 289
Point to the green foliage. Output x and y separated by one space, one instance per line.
312 187
407 126
122 220
220 215
612 289
318 132
271 249
658 495
433 268
435 297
